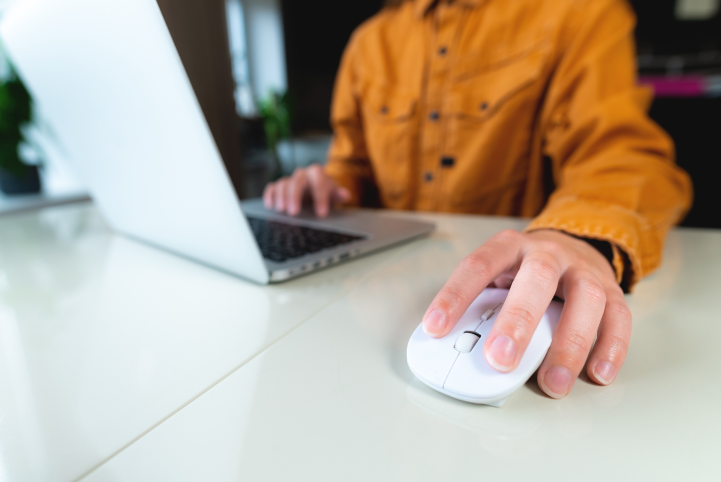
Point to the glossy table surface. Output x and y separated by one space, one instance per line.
121 362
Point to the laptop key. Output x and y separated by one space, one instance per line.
279 241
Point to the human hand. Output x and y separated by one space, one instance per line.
537 266
287 193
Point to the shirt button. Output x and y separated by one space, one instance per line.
434 115
442 51
447 161
483 106
384 110
428 176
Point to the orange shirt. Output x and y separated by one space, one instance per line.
509 107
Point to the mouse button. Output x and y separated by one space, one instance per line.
430 359
553 314
486 326
468 322
491 298
538 346
472 377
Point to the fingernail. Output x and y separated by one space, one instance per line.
435 323
293 208
604 372
502 353
557 381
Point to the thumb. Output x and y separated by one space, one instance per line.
341 194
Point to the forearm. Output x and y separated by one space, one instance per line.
619 185
614 168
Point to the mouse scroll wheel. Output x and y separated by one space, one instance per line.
467 341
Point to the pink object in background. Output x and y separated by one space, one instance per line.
687 86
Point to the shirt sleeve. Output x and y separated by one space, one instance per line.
348 162
613 167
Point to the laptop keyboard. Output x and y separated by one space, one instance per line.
280 242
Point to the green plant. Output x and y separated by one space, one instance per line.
15 113
276 113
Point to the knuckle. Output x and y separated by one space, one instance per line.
591 291
301 180
543 268
520 314
615 345
620 313
576 343
508 235
298 177
476 264
449 298
551 247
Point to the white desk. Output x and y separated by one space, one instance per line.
119 362
25 202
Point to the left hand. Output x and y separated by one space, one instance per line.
536 266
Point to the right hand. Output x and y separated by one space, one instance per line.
287 193
595 326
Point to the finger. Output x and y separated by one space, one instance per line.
281 188
269 195
320 190
582 312
469 278
527 301
341 195
296 190
614 335
504 281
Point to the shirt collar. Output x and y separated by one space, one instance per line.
422 6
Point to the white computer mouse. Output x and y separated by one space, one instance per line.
455 365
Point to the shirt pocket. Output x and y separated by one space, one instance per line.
389 123
479 91
387 106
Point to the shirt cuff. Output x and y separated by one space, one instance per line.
636 248
616 258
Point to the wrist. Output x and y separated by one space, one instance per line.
617 259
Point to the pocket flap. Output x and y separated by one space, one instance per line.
479 96
385 105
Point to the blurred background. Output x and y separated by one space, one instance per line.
263 72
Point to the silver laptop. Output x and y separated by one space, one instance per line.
109 80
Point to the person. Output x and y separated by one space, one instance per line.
510 107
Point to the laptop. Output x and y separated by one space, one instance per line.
108 79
